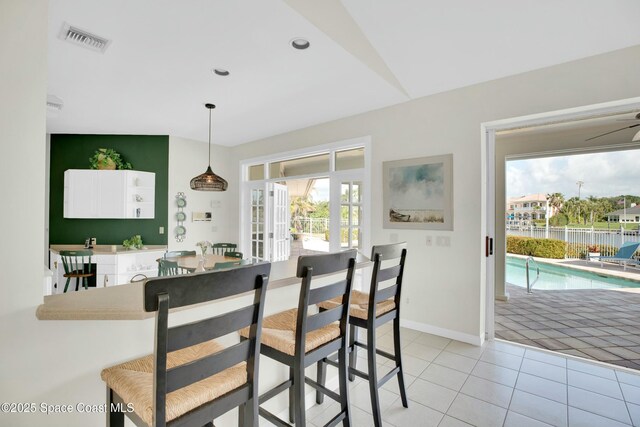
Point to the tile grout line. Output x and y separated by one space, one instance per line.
626 404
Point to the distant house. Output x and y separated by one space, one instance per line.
629 215
522 210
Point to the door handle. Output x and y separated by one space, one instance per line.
488 246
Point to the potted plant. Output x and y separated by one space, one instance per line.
135 242
107 159
593 251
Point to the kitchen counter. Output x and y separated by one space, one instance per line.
113 264
125 302
107 249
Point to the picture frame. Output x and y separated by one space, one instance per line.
418 193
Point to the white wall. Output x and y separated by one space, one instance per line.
60 361
187 159
445 285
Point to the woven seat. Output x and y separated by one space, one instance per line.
360 305
279 332
133 381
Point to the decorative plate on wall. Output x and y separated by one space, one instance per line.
181 216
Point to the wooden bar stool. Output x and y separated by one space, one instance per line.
191 379
369 311
299 339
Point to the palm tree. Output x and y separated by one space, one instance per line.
555 201
300 207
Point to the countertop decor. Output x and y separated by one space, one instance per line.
134 242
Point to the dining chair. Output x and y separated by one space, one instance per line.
231 264
232 254
191 379
370 311
173 254
221 248
77 264
299 338
170 268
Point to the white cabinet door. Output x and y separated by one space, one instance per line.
109 194
111 185
80 198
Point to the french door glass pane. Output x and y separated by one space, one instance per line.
356 193
355 215
344 192
344 237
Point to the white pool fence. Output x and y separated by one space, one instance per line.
582 238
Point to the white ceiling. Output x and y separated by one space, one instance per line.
156 75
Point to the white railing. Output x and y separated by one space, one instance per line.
582 238
313 225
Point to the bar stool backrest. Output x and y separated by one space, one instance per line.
380 253
316 265
162 294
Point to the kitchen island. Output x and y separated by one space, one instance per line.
126 302
114 264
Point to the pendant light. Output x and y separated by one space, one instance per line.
209 181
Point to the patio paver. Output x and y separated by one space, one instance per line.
599 324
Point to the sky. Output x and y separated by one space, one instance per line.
603 174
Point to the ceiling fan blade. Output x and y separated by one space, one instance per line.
613 131
637 117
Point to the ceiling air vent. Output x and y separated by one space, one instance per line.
83 38
54 104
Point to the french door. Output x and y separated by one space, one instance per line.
267 221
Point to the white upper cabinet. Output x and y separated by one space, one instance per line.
109 194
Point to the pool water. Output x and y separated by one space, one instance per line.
558 277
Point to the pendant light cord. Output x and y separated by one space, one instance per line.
209 137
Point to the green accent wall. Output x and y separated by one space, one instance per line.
145 153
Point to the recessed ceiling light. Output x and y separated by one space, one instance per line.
300 43
221 72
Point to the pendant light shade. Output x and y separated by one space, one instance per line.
209 181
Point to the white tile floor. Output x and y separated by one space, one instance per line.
451 384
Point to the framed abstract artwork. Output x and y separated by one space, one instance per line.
418 193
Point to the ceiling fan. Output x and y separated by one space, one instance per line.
636 137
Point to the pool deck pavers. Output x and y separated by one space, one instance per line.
598 324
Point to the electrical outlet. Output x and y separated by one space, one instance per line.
161 230
214 228
429 240
406 300
443 241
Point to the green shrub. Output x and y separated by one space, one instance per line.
543 248
559 220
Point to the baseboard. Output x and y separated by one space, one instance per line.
447 333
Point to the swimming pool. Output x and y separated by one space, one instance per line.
558 277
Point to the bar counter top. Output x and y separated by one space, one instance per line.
125 302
